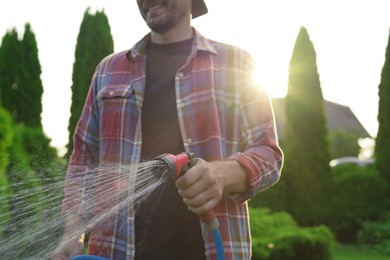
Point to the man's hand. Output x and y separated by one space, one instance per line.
202 186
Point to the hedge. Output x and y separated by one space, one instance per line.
277 236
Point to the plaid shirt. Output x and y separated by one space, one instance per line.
222 114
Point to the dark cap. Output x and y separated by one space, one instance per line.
198 8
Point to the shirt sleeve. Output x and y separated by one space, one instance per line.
261 156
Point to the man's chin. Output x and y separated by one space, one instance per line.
159 27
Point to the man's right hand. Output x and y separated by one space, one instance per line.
68 249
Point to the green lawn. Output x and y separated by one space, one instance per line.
352 252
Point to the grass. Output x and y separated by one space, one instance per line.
353 252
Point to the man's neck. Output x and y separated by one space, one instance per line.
179 33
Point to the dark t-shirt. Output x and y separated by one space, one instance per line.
164 227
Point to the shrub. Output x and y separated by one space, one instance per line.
344 143
5 141
43 158
357 194
23 182
376 235
33 172
276 236
5 137
273 198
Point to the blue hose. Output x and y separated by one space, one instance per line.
212 225
218 244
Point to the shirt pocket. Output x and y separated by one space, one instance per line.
117 108
114 97
115 91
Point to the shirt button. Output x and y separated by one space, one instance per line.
180 105
180 74
111 93
189 141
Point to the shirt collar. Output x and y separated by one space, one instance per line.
200 43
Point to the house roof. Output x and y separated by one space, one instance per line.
339 117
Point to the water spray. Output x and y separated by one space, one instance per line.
175 166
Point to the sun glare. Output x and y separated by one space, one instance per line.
273 81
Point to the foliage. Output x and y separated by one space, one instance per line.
376 235
306 170
94 42
273 198
357 194
26 190
343 143
5 137
277 236
356 252
35 173
31 111
20 83
43 158
11 73
6 133
382 145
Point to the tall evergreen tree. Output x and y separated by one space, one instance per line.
11 73
30 112
382 144
94 42
20 83
307 170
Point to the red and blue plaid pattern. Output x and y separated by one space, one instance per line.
223 115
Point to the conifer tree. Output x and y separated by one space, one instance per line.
20 83
382 143
11 73
94 42
31 108
307 170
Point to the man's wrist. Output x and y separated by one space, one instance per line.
234 176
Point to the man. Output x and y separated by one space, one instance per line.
176 91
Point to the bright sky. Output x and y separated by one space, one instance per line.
349 36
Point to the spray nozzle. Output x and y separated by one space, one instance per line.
177 164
